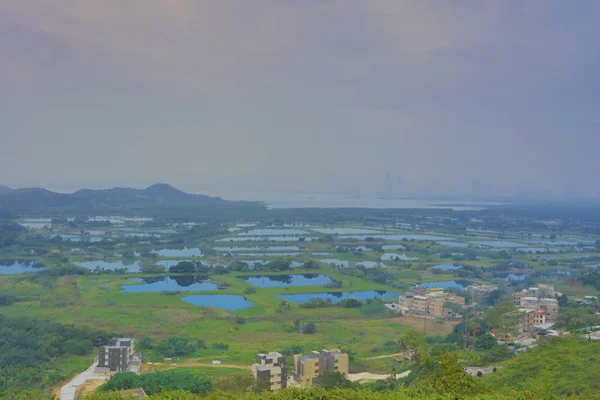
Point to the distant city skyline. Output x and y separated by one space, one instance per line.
237 187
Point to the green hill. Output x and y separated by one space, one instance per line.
562 367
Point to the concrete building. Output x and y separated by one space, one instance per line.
430 304
119 355
270 369
309 367
533 298
527 322
478 292
539 316
529 302
551 307
516 297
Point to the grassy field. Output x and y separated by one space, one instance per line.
96 301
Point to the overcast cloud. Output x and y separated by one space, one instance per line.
300 94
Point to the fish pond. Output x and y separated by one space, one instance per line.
187 283
225 301
11 267
446 267
444 284
110 265
185 252
499 243
266 281
269 231
337 296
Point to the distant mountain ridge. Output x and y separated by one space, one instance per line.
5 189
157 200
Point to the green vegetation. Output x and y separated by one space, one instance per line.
32 352
156 382
167 327
563 367
505 317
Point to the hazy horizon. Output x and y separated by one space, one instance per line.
401 98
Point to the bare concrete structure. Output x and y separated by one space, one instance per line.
270 370
309 367
119 355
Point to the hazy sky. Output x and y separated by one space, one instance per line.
300 94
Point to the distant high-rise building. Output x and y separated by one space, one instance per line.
387 182
400 184
476 187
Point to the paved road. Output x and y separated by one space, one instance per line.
374 377
67 392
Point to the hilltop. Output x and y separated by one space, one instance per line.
156 200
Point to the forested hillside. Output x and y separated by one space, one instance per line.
34 353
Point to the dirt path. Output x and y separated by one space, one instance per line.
380 357
369 377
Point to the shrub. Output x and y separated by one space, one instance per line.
220 346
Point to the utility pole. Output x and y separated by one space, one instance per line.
465 334
474 329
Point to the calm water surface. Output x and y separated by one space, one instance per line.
111 265
11 267
443 284
337 296
188 283
225 301
185 252
287 280
446 267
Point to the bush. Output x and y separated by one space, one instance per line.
351 302
293 349
175 346
309 328
220 346
144 343
250 290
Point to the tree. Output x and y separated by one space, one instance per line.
293 349
446 375
331 380
310 328
486 341
145 343
175 346
284 307
415 341
351 302
563 300
238 384
576 318
505 317
183 266
455 308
